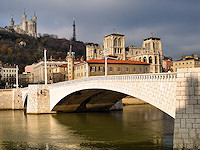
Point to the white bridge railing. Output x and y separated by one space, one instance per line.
170 77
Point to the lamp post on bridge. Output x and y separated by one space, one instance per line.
17 68
106 58
45 65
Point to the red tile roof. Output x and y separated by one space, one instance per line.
110 61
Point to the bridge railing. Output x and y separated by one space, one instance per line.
128 77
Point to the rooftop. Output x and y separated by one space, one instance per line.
153 38
114 34
111 61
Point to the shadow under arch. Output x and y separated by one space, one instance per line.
89 100
25 103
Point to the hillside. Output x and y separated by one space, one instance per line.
31 50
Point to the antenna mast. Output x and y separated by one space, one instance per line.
74 30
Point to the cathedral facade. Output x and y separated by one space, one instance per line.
114 44
25 27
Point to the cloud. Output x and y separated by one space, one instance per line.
175 22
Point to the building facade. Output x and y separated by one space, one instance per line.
9 74
39 69
114 44
192 61
167 65
25 27
114 67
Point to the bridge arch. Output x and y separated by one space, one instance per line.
90 100
157 90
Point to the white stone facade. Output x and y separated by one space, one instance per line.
25 27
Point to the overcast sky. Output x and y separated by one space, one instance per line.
176 22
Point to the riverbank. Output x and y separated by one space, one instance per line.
129 100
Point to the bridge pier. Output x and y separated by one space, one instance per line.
187 118
17 99
38 99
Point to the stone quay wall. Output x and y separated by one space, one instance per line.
6 99
187 118
11 99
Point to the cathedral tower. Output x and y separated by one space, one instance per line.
115 45
24 24
12 22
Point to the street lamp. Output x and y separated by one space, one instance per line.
17 68
105 54
45 65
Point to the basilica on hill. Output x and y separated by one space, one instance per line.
25 27
114 44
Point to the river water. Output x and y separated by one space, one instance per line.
139 127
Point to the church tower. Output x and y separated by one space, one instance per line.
115 45
12 23
154 46
24 24
34 26
70 63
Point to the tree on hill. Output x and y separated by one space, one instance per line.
31 49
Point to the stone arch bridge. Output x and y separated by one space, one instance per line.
176 94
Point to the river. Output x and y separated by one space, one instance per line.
139 127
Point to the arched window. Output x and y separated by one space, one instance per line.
144 59
155 60
150 59
140 59
115 42
119 42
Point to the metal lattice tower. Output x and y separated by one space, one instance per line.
74 30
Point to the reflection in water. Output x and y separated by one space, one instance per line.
136 127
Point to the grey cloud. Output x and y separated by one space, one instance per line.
176 22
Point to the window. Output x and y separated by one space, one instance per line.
183 63
176 64
90 69
155 60
134 69
118 69
190 62
127 69
81 73
115 50
99 68
119 50
150 59
81 67
140 69
115 42
119 42
111 69
187 63
147 69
